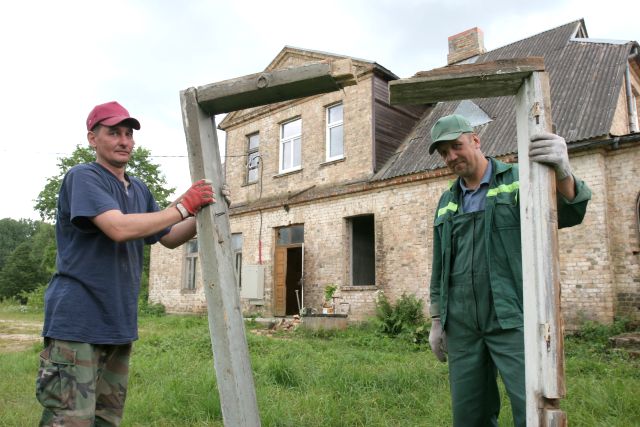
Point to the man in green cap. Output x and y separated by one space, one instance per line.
476 278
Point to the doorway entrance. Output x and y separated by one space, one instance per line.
289 271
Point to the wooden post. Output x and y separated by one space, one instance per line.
543 332
226 324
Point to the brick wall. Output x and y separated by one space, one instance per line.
599 259
166 282
585 262
623 169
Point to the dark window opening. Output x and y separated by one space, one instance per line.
363 264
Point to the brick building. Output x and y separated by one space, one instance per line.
339 188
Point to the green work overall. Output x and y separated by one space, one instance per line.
478 347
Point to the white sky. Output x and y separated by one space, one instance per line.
60 58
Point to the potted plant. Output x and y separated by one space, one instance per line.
327 307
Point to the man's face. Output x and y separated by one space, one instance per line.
113 144
462 155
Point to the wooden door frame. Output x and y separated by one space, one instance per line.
275 274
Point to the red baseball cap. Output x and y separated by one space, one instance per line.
110 114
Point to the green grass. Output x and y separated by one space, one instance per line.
347 378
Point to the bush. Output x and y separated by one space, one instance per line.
594 331
154 310
405 317
34 299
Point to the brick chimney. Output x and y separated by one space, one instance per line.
466 44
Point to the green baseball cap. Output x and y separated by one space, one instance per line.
448 128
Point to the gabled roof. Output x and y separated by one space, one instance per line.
585 82
291 56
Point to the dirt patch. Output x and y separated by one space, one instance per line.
18 335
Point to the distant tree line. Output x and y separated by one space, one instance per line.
28 247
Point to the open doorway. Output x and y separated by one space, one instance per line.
294 281
289 271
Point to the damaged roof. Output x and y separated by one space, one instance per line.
585 79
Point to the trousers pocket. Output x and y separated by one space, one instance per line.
55 386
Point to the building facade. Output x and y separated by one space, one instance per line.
337 189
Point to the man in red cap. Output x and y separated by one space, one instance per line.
104 218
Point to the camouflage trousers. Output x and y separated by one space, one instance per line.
82 384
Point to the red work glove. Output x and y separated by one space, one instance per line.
200 194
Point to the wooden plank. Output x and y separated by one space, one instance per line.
469 81
279 85
543 335
226 324
554 418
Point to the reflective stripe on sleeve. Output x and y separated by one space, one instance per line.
450 207
504 188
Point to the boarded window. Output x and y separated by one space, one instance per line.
236 248
191 264
253 157
362 237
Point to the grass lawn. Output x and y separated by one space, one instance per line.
349 378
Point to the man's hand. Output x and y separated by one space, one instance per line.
226 193
438 340
200 194
551 150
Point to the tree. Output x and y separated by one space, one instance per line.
139 166
31 264
12 234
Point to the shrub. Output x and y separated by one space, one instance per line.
594 331
151 309
405 317
34 299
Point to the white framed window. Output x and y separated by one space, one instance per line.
253 157
291 146
191 264
335 134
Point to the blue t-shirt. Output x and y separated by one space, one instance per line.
93 295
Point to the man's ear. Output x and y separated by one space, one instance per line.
91 137
476 140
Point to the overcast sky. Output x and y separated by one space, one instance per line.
60 58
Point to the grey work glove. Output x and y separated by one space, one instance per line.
226 193
551 149
438 340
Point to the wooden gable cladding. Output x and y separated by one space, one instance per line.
391 124
486 80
